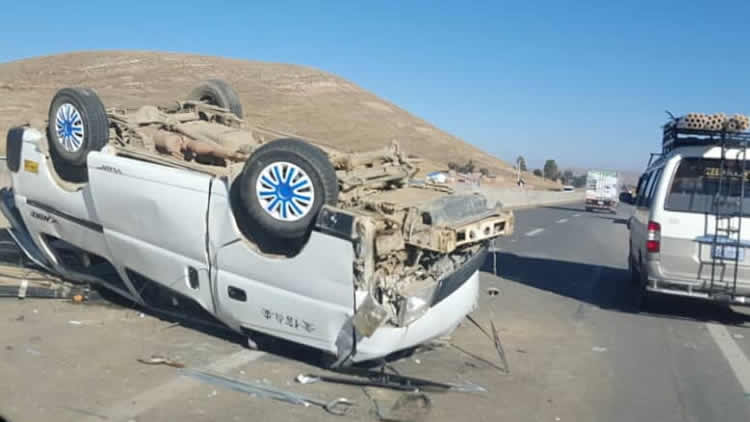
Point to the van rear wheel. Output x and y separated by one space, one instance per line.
218 93
77 125
284 185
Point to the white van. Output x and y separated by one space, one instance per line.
279 244
689 231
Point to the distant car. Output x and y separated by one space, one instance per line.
601 190
568 188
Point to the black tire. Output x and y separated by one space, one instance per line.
635 276
642 295
268 206
68 172
77 125
13 145
219 93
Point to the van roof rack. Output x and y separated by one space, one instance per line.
675 137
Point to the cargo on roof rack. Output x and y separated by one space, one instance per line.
675 137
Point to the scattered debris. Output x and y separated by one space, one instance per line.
494 291
499 346
9 348
477 357
410 406
85 412
417 361
738 336
599 349
691 346
339 406
33 351
84 322
46 290
495 337
22 289
370 378
142 315
306 379
213 394
20 318
161 360
251 344
519 350
78 299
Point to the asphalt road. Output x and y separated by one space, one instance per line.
676 360
576 348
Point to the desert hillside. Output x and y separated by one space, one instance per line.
289 98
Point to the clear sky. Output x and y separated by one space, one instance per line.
583 82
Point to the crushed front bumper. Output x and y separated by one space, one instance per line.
439 320
455 297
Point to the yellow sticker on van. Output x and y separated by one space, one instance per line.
31 166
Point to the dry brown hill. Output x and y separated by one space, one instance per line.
290 98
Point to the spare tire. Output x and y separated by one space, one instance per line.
77 125
219 93
283 186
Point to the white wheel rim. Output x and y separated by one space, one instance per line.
285 191
69 127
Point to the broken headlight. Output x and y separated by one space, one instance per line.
416 302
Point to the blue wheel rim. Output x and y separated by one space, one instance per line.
285 191
69 127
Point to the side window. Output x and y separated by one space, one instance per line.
652 189
641 184
643 188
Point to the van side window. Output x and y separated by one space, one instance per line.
652 189
639 188
641 182
697 182
644 188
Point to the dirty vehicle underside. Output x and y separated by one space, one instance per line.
407 236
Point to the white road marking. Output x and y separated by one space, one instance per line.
562 220
576 215
534 232
733 354
140 403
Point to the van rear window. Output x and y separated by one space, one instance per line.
696 182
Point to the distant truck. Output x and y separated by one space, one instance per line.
601 190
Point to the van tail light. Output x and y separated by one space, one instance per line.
653 240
